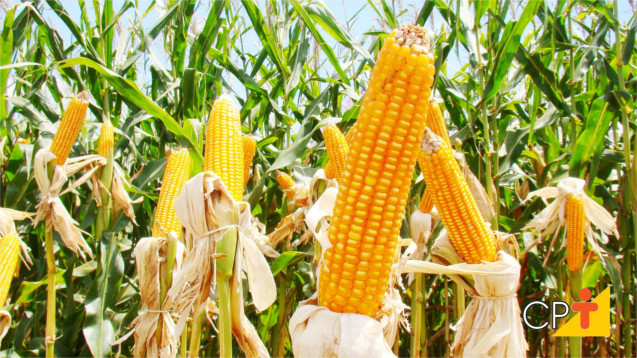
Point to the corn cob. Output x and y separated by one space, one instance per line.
9 256
456 205
224 145
373 193
436 122
576 224
330 170
176 174
426 202
337 150
288 185
106 141
249 148
69 127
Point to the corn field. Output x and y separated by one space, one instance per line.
316 178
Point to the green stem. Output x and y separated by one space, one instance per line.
183 344
225 317
575 343
50 298
627 277
460 302
195 335
418 319
278 331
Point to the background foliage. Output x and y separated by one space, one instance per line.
534 91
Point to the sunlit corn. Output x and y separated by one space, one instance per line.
456 206
224 145
175 177
337 150
426 202
249 148
436 122
9 257
106 141
69 127
372 195
575 230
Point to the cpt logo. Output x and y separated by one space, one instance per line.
592 318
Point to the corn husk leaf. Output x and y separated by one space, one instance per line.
260 280
243 330
315 330
51 208
491 326
121 199
149 253
202 197
5 323
485 205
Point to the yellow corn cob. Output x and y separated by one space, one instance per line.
9 256
456 205
372 195
175 177
287 184
106 141
575 226
427 201
337 150
224 145
69 127
249 148
436 122
330 170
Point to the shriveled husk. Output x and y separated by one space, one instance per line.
119 195
317 331
199 207
149 253
297 221
491 326
5 323
51 208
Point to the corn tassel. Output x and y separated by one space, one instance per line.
106 141
456 205
9 257
575 230
224 145
176 174
337 150
69 128
373 193
249 148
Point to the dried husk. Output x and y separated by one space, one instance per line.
491 326
121 199
315 330
149 253
196 207
51 208
5 323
